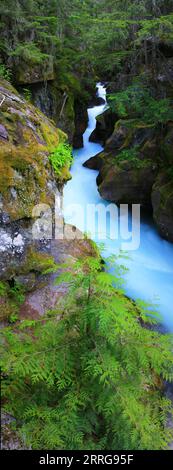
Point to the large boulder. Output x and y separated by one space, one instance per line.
27 137
167 146
81 121
162 202
126 184
27 178
95 163
104 127
27 73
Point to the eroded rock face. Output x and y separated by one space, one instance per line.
28 74
57 103
26 180
47 292
162 202
81 121
27 138
136 168
15 239
95 163
127 185
117 139
104 127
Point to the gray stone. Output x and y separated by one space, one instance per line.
3 132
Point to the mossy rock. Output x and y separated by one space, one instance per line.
167 145
162 202
37 262
126 184
27 137
27 72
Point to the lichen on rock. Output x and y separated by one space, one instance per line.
27 138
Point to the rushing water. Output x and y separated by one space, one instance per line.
150 267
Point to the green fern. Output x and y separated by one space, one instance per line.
94 379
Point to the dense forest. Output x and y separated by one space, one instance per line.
89 370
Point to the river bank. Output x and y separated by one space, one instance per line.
150 267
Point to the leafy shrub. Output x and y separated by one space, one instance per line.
17 292
27 94
5 72
61 157
137 102
133 156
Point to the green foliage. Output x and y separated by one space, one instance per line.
27 94
160 29
5 72
84 38
61 157
39 263
90 373
30 53
3 288
137 101
12 297
17 292
92 379
131 155
13 318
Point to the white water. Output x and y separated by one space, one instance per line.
150 275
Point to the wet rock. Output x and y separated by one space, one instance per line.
98 101
167 145
162 202
95 163
117 138
104 127
81 121
127 185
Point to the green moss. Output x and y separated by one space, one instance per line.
166 194
26 152
70 108
38 262
30 181
3 288
51 137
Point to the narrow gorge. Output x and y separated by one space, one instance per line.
150 267
86 226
